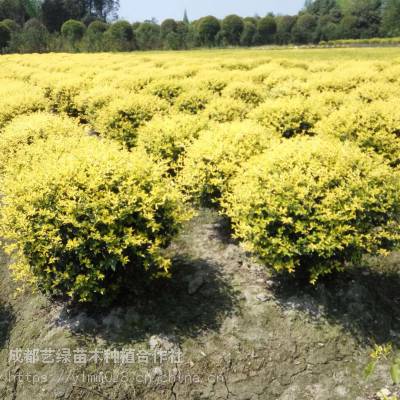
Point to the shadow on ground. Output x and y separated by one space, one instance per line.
6 322
7 317
270 337
365 300
195 300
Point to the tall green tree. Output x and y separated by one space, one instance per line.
32 7
208 28
303 31
73 31
120 37
168 26
347 18
182 32
102 9
391 18
368 14
232 28
321 7
54 14
13 9
326 29
94 38
5 35
348 27
248 35
185 17
284 26
148 35
266 30
34 37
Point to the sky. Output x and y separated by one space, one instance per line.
140 10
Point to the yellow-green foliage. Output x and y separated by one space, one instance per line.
27 129
289 87
201 116
121 118
61 90
328 102
18 98
123 82
192 102
84 217
313 204
89 102
166 89
287 81
374 126
287 116
167 137
215 82
250 93
372 91
345 82
225 109
212 159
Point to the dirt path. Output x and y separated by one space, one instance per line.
222 328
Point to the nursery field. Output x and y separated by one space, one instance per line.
200 225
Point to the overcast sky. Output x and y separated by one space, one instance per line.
139 10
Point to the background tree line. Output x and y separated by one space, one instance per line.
92 25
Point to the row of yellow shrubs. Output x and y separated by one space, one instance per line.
97 181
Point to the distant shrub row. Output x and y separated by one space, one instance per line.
368 41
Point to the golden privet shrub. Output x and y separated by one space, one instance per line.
63 91
89 102
192 102
373 91
166 138
374 126
248 92
215 82
215 156
288 116
83 217
60 86
313 204
122 117
225 109
18 98
167 89
27 129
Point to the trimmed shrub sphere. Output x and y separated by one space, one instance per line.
313 204
216 155
121 118
374 127
28 128
84 217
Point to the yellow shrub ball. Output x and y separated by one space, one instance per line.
311 205
85 219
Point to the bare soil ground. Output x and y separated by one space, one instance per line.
227 327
